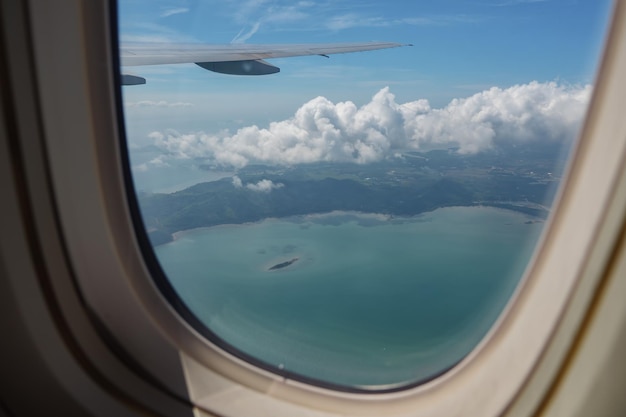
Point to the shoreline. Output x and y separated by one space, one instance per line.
525 210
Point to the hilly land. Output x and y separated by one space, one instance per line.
518 178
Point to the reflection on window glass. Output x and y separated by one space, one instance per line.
357 219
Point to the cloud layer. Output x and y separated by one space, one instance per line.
342 132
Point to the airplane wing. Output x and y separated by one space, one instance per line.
237 59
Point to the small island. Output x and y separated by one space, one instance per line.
283 264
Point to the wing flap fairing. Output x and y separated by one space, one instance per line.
129 79
248 67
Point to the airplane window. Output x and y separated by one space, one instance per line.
348 193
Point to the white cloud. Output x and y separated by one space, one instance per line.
158 162
171 12
140 168
150 32
354 20
241 37
244 10
264 186
237 182
287 14
269 14
351 20
321 130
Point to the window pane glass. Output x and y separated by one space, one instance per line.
357 220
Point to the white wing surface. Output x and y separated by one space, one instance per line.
238 59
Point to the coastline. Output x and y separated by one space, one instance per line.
537 215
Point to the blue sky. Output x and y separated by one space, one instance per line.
458 44
461 48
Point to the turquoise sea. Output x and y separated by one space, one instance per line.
372 301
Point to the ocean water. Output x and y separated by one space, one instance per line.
372 301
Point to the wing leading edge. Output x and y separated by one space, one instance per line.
238 59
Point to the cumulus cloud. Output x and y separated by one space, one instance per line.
321 130
158 162
263 186
237 183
